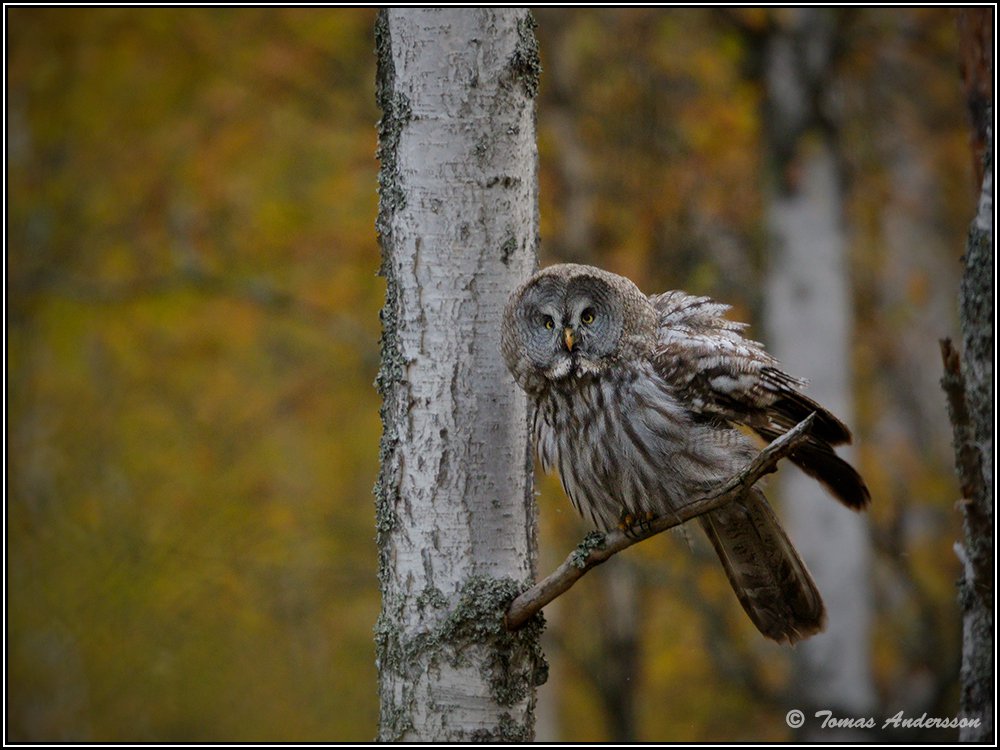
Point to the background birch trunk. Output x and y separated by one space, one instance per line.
809 320
455 513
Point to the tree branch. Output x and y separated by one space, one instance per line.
596 547
969 464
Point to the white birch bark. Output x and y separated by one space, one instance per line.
455 510
809 322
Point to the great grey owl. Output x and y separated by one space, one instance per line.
637 400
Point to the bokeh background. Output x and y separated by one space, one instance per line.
192 336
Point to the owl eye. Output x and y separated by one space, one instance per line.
549 323
588 316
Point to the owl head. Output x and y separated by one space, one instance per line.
571 321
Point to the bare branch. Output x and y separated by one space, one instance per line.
596 548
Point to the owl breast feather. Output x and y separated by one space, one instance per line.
623 443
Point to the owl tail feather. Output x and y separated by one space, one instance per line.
769 578
817 459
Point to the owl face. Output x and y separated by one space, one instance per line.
566 321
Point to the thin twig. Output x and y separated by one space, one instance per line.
596 548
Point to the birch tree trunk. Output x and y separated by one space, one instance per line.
968 381
809 321
455 510
971 398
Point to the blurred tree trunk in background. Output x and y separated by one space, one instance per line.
809 319
574 243
970 390
455 518
904 299
613 667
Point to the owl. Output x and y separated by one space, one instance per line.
637 405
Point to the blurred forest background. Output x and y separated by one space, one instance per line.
192 322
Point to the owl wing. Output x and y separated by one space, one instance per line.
723 375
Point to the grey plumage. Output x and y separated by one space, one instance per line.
637 399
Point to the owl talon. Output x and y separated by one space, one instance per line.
635 526
625 522
647 520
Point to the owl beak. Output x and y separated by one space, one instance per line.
568 338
